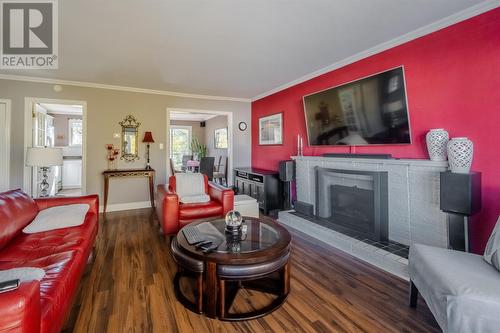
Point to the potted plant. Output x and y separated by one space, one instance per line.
199 150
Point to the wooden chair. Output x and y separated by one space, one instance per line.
217 166
219 176
172 168
207 167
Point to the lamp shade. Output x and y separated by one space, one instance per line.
44 157
148 137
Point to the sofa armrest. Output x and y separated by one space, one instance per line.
223 195
20 308
167 209
91 200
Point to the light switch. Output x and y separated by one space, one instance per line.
161 146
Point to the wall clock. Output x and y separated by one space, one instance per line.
242 126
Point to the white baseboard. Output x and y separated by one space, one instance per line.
125 206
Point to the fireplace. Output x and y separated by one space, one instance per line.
353 202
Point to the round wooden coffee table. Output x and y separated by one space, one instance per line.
259 261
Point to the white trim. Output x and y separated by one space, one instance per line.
28 123
119 88
125 206
229 115
425 30
6 159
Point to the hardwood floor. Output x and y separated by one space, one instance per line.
129 289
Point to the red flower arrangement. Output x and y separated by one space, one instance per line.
112 156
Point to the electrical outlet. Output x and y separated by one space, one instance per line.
161 146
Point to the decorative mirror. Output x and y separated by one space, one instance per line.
130 138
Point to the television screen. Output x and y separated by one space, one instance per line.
371 110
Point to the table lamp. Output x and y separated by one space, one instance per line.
44 158
148 138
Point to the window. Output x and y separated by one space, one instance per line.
180 144
75 132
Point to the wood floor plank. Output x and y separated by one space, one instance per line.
129 288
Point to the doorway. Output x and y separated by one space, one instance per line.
4 144
196 135
59 124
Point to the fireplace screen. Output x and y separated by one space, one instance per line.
353 202
353 207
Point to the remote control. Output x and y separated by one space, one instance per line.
202 244
210 248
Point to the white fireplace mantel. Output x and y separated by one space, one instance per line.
413 190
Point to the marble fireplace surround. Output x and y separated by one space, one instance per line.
413 207
413 194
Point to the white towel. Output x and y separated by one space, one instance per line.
198 198
57 218
189 184
22 274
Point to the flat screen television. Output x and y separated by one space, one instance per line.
371 110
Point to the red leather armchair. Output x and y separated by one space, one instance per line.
173 215
62 253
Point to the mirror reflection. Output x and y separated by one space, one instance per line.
130 130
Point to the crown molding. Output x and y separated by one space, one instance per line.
420 32
119 88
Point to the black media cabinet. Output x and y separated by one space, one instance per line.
262 185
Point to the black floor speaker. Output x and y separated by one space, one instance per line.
460 193
287 171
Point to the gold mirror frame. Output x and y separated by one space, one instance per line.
130 149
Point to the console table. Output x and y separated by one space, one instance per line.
127 173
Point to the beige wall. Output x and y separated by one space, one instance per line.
197 131
211 125
105 108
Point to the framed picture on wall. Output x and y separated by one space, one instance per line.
220 138
271 129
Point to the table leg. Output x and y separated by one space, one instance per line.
222 298
211 289
285 276
106 187
199 298
152 190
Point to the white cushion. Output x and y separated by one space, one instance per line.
189 184
22 274
57 218
492 251
243 199
198 198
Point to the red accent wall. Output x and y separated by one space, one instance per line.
452 82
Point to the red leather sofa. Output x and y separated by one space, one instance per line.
173 215
62 253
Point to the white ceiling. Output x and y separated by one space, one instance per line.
190 116
62 108
225 47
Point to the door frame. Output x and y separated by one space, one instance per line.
5 162
229 116
29 103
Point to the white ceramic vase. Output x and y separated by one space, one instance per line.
460 154
437 140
